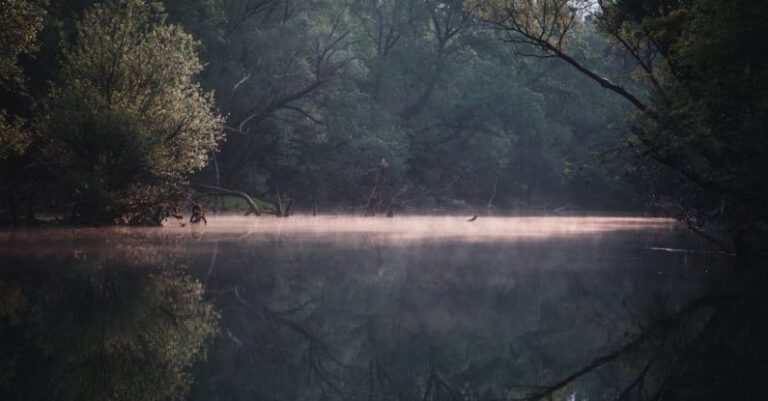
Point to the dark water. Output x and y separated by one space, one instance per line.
417 308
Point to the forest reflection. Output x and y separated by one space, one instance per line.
362 317
367 317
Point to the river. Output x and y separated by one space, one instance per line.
337 307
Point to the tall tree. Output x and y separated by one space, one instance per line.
699 107
128 121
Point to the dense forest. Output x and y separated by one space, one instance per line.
531 144
130 111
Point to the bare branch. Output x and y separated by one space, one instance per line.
304 112
242 81
548 34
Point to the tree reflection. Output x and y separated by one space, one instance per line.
125 325
437 323
375 322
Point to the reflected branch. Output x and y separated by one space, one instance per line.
659 329
638 382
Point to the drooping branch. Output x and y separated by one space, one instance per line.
545 26
604 82
550 49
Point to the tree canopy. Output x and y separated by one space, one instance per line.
368 105
699 104
127 115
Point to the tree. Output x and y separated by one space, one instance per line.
127 120
699 100
267 60
415 83
21 20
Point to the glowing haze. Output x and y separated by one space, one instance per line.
430 227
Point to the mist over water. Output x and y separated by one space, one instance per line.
409 228
350 307
357 228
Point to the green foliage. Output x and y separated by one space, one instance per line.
13 140
314 95
708 102
127 113
21 20
318 93
699 92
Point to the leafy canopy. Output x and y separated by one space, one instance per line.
21 20
127 113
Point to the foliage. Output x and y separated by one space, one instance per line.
407 82
127 115
699 102
316 94
21 20
13 141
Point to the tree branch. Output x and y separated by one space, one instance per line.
251 204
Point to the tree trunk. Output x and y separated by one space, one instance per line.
490 206
283 205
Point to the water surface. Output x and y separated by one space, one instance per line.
335 307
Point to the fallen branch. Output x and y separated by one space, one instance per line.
254 208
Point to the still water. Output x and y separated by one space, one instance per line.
338 308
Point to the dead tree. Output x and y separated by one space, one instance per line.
374 198
283 205
326 60
394 201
